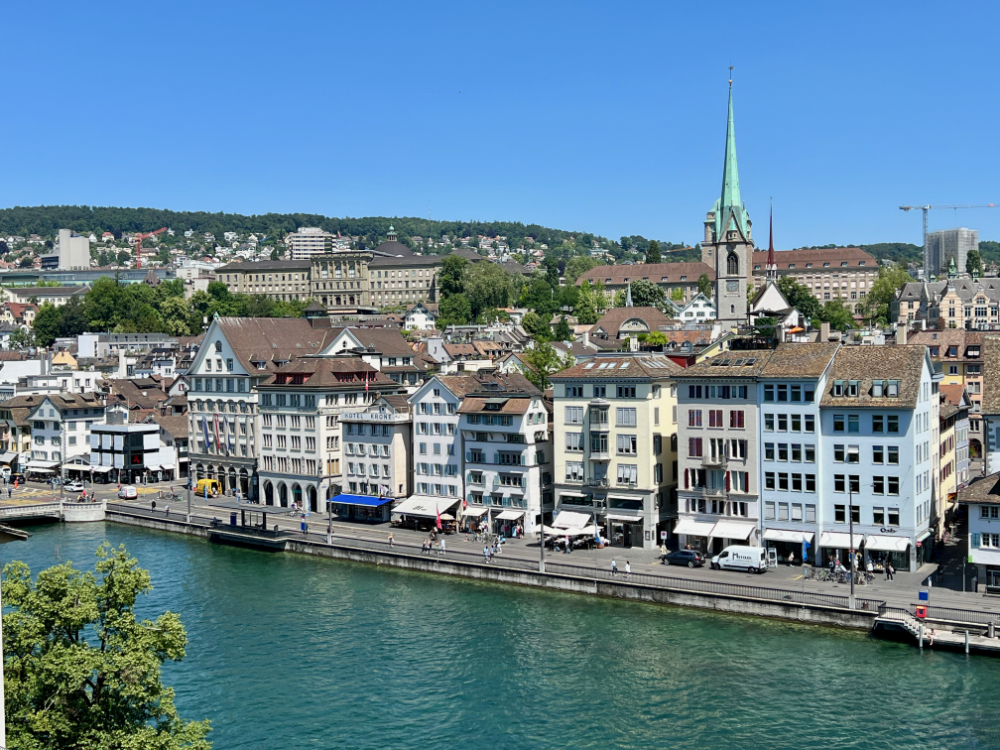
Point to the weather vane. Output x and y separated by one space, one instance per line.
731 76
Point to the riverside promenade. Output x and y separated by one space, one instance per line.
584 571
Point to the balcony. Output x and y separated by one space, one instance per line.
599 456
716 460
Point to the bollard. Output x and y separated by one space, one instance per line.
966 641
992 629
920 635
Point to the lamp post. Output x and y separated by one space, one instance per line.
852 562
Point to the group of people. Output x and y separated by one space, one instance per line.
491 551
429 546
614 568
867 569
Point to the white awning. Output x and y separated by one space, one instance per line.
571 494
510 515
474 512
783 535
8 457
427 507
567 519
690 527
96 469
839 540
153 468
624 497
42 464
567 532
886 543
624 519
732 530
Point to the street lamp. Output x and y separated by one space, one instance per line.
852 561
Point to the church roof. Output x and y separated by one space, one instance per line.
731 214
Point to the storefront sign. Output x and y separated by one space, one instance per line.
887 530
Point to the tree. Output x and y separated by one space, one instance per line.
538 296
585 309
47 324
657 338
974 263
799 297
452 275
653 252
878 303
21 337
551 271
562 331
488 285
836 313
705 285
578 266
275 254
644 294
81 670
677 294
454 310
536 326
542 361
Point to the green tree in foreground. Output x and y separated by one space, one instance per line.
974 263
878 303
543 360
837 314
81 670
705 285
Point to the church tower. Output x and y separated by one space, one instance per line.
728 245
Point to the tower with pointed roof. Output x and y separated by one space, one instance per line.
728 244
772 266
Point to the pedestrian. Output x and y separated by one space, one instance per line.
567 546
890 571
167 511
871 570
441 548
614 568
486 554
10 492
930 582
390 539
628 569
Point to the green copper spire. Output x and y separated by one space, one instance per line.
731 213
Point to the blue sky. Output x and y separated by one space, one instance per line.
600 117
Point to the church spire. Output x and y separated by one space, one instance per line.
731 214
772 266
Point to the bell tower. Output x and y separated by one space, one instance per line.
728 244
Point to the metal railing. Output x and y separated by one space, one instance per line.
964 616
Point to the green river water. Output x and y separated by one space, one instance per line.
292 652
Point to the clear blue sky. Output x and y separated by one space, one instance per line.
600 117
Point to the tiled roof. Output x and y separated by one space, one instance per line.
406 261
321 372
835 256
623 366
175 425
991 375
868 363
658 273
731 364
981 490
799 360
511 405
946 338
272 340
954 393
265 265
496 384
616 317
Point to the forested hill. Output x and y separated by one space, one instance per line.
46 220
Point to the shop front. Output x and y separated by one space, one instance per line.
361 508
881 549
694 534
790 546
836 545
728 533
475 519
422 513
508 522
623 530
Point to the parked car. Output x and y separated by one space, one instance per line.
73 487
691 558
18 477
128 492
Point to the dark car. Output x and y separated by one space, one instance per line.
691 558
18 477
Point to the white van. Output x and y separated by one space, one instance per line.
750 559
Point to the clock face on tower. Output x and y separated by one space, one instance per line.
732 286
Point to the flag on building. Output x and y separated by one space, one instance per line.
204 427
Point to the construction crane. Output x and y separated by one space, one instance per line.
925 209
142 236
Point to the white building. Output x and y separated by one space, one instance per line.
60 428
982 498
309 241
74 250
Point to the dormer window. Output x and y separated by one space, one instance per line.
218 346
892 389
826 265
861 262
809 265
838 387
843 263
852 387
877 389
791 265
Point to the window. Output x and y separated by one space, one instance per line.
796 423
574 415
878 516
574 471
574 391
627 445
838 454
783 393
782 451
838 483
715 418
600 391
768 423
769 481
782 481
838 423
853 423
840 513
811 483
989 511
782 511
894 454
626 417
877 454
892 423
855 514
810 514
736 418
796 483
694 447
796 452
768 451
574 441
768 393
878 485
628 473
894 516
810 422
769 511
626 391
853 454
598 442
782 423
810 453
893 485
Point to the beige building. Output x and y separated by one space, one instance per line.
844 273
615 446
678 280
277 279
341 280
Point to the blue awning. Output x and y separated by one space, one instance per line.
365 500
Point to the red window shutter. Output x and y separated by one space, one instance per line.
728 488
687 482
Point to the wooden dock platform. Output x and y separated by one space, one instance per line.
936 633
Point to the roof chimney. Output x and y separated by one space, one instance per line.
901 335
586 339
824 332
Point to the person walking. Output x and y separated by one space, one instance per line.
167 511
441 549
390 540
614 567
486 555
889 570
628 569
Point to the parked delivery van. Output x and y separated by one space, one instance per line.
212 485
750 559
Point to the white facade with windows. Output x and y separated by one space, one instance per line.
437 445
60 428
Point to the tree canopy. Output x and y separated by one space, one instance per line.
543 361
799 297
878 303
644 294
82 671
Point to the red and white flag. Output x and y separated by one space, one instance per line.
438 511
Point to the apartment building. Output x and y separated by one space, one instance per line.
982 498
236 356
16 430
376 445
60 428
300 433
678 280
789 391
308 241
879 440
972 304
947 246
405 280
959 355
615 443
438 484
718 500
953 448
507 453
844 273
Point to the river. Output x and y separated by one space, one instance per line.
288 651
